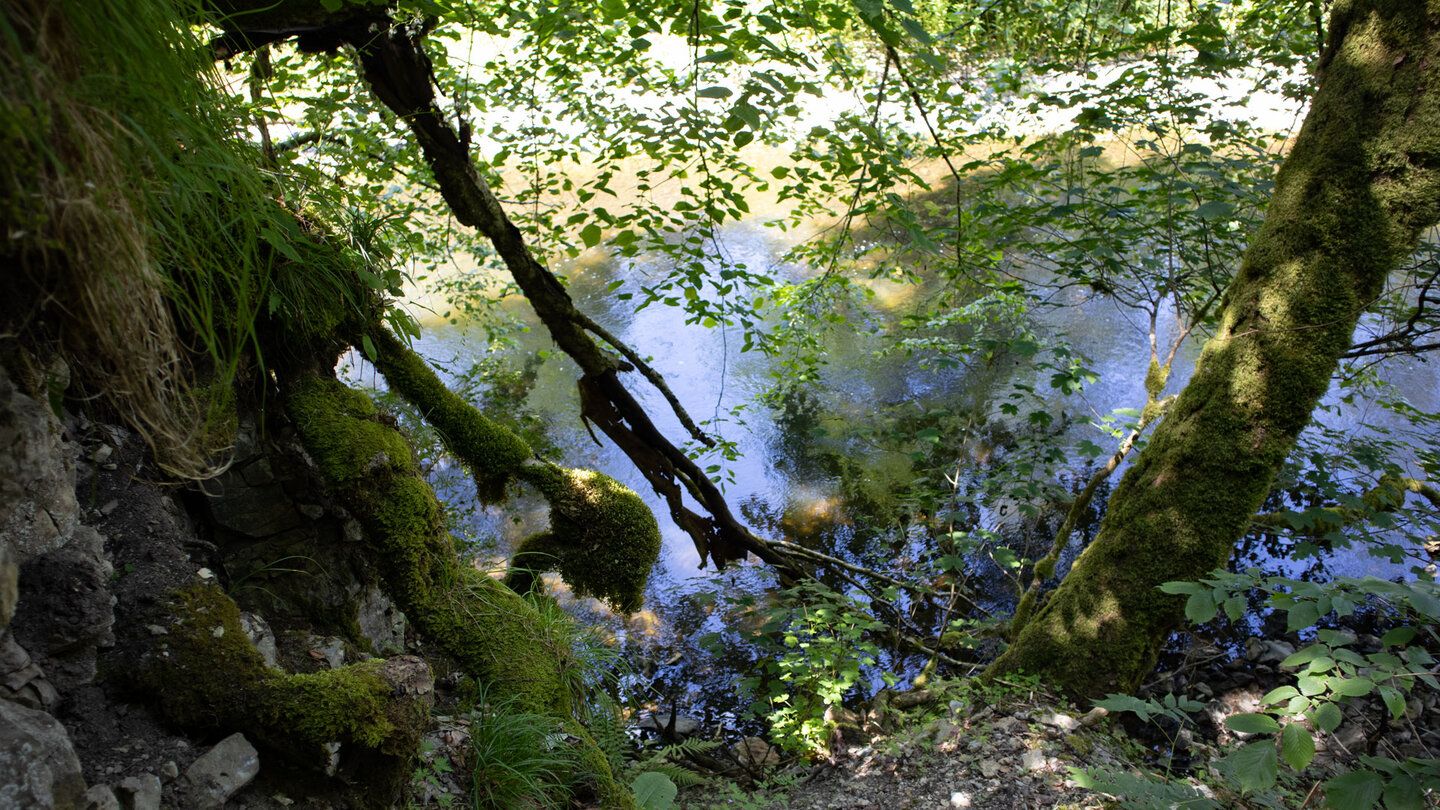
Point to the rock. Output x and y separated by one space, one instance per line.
1094 716
252 511
259 632
101 797
960 799
1267 651
660 722
139 792
410 675
66 609
169 771
38 510
380 621
219 773
755 754
21 679
989 767
1034 760
1060 720
38 766
331 649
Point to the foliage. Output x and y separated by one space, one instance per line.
518 758
1330 675
814 646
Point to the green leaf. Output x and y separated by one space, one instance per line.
368 347
1398 636
1235 608
1180 587
1357 790
1310 685
1404 793
1352 687
1278 695
654 791
1201 607
1215 210
1301 616
1326 716
715 92
1297 746
1252 723
916 30
590 235
748 114
1255 765
1394 701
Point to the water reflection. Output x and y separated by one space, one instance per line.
803 474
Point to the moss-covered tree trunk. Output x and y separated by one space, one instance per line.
1361 183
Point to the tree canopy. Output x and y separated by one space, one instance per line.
995 160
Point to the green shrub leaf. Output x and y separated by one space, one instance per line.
1255 765
654 791
1297 746
1252 723
1357 790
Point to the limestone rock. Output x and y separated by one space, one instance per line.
21 679
380 621
219 773
260 634
660 722
38 510
139 792
101 797
66 608
252 511
754 754
38 766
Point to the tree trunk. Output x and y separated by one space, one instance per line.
1361 183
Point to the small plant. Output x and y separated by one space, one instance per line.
430 775
821 641
518 759
1138 790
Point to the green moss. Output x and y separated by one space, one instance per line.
603 539
207 674
490 630
342 432
491 451
348 703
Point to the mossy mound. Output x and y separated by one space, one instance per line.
205 673
603 539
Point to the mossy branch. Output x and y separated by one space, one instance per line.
491 451
394 63
1386 496
490 630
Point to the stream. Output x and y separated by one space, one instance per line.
684 645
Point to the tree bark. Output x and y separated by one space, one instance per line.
1361 183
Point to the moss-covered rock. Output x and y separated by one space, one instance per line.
205 673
